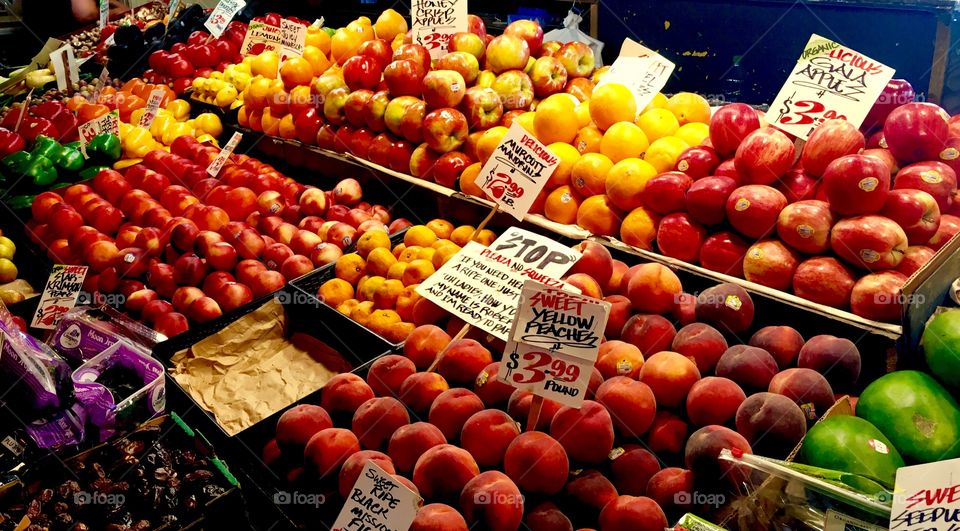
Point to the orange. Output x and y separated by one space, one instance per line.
361 313
663 153
467 178
556 119
419 235
426 253
406 301
639 228
588 139
589 174
368 286
441 227
568 156
257 93
255 119
612 103
626 181
659 101
270 123
488 142
486 237
335 292
693 133
536 207
380 260
265 64
350 267
562 205
347 307
380 321
417 271
658 123
287 129
372 239
398 332
599 216
409 254
386 295
689 108
396 270
583 113
461 235
344 45
624 140
363 28
296 71
441 242
300 99
317 59
242 117
444 253
525 121
469 147
390 24
318 38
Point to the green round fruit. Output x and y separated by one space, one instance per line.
941 344
853 445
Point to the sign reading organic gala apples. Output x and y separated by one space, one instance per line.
435 21
829 81
640 69
516 171
377 501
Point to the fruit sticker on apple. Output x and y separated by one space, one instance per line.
214 168
59 295
829 81
642 70
435 22
516 171
222 15
376 501
554 342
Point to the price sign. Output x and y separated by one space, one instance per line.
222 15
59 295
527 250
640 69
435 21
293 37
516 171
108 123
927 497
150 111
65 67
174 4
552 375
378 501
829 81
104 13
260 37
214 168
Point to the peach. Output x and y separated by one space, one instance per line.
685 311
271 454
354 464
587 284
834 357
632 468
591 489
751 367
463 361
649 333
537 463
424 343
327 450
703 449
670 376
451 409
725 306
344 393
406 483
653 288
493 501
620 311
713 400
807 388
616 358
298 424
667 434
631 404
518 406
773 424
443 471
702 343
585 433
596 380
672 489
490 390
782 342
387 374
547 517
632 513
438 517
595 260
409 442
615 284
419 390
377 419
487 434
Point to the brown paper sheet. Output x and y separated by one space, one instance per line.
249 370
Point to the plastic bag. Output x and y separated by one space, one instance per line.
571 32
33 371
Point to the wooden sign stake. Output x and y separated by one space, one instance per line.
534 416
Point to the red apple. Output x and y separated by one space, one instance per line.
411 124
680 237
871 242
550 48
404 78
401 152
414 52
448 168
796 185
528 30
361 72
576 57
548 76
482 108
422 162
897 92
949 226
341 234
763 156
753 209
935 178
443 88
515 89
915 211
707 199
395 111
916 131
374 110
698 161
831 140
915 257
444 129
379 50
856 184
723 252
824 280
476 25
805 226
878 296
728 168
770 263
730 125
466 64
507 52
325 253
355 108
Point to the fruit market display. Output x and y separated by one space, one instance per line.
11 291
93 40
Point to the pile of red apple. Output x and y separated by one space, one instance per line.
834 223
622 461
197 58
179 245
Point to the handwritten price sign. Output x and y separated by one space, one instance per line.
59 295
221 16
640 69
551 375
829 81
527 250
378 501
927 497
435 21
516 171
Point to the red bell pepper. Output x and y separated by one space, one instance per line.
10 142
32 127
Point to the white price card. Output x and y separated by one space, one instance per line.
222 15
435 21
150 110
829 81
528 250
293 38
260 37
108 123
927 497
59 295
378 501
104 13
214 168
640 69
65 67
517 170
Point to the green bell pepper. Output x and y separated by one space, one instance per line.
17 162
19 202
91 171
104 147
44 146
69 159
41 171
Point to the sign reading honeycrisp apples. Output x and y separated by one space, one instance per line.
435 21
640 69
829 81
377 501
927 497
516 171
553 343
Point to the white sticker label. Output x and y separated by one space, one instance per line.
65 67
516 171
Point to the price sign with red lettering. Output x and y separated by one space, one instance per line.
925 496
553 343
640 69
435 21
59 295
108 123
221 16
829 81
260 37
516 171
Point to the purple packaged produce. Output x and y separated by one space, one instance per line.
86 331
33 370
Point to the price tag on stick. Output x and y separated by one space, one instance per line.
150 111
222 15
435 21
378 501
65 67
104 13
829 81
108 123
214 168
59 295
640 69
516 171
